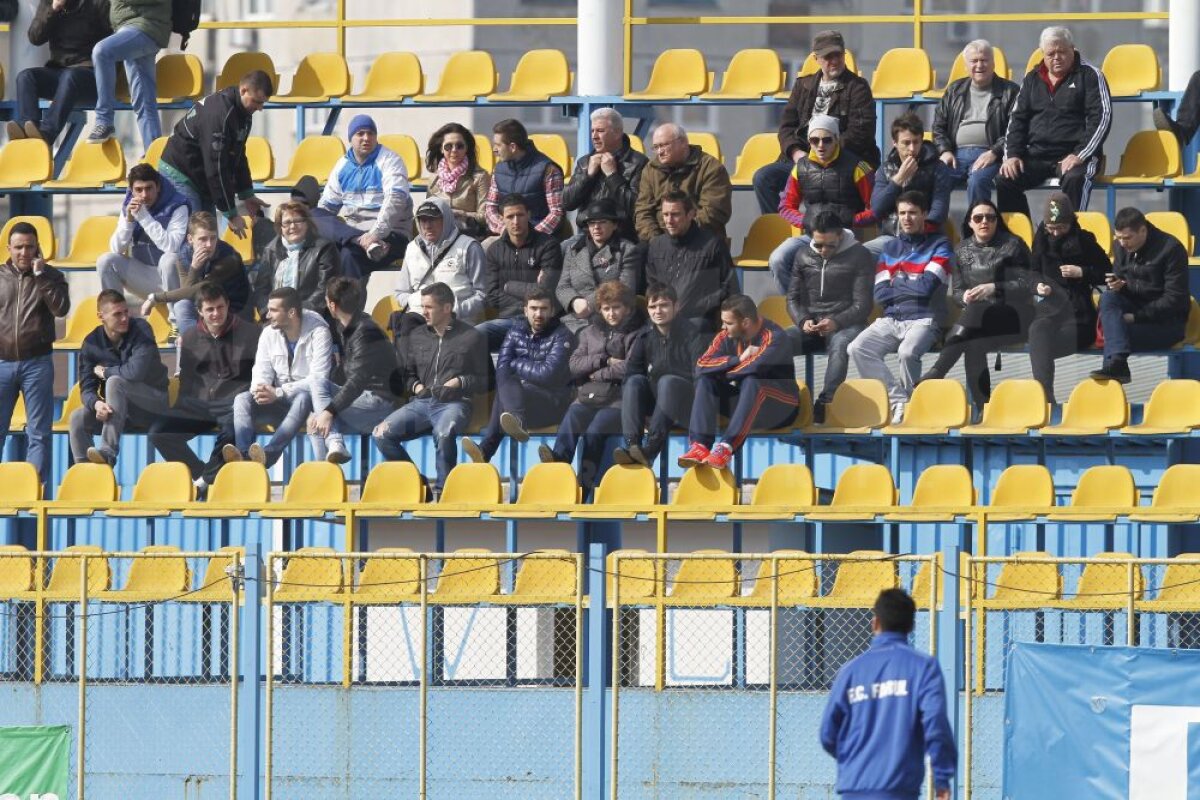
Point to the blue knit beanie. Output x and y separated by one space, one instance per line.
359 122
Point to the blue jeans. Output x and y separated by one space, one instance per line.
361 416
783 259
769 182
34 379
137 50
288 417
593 425
65 88
981 182
1122 338
836 348
494 330
420 416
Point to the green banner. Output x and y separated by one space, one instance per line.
33 761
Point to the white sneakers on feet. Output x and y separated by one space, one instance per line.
897 413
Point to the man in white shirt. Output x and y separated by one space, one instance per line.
143 252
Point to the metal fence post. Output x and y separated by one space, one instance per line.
252 737
596 744
949 632
236 586
81 656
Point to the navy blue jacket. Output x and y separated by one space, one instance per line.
886 712
541 359
134 358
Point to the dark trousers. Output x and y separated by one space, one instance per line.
534 405
1076 184
1122 338
755 404
593 425
190 418
667 402
1053 336
982 328
769 183
64 88
1187 113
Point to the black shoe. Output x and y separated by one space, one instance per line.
622 457
1114 369
818 413
640 455
546 454
98 456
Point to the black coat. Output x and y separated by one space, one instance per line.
676 353
838 287
1049 125
318 264
513 271
853 105
954 105
431 360
697 265
1078 247
217 367
71 32
1156 279
1004 261
134 358
208 147
368 362
621 187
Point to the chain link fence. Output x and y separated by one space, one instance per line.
398 674
736 654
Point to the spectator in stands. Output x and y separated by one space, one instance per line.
205 157
443 366
971 120
911 166
369 189
678 166
457 177
829 298
523 257
363 387
992 287
298 258
71 28
611 171
597 367
441 253
834 91
747 374
827 178
141 29
121 381
207 259
290 370
32 294
692 259
910 287
532 377
881 738
1057 127
143 255
1068 266
602 254
522 169
1147 303
216 363
658 388
1187 113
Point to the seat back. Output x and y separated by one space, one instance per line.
1020 226
94 164
553 484
1096 404
1105 486
91 240
67 570
902 72
165 482
811 66
1176 224
88 483
944 486
239 64
74 400
389 578
316 483
320 75
858 583
159 577
859 403
45 234
16 570
316 156
261 159
752 73
796 573
308 579
707 142
19 483
483 152
468 73
705 579
25 161
774 308
785 485
382 312
81 322
1177 487
766 233
1016 403
473 484
627 485
958 69
554 147
1105 585
1131 69
1023 486
705 487
469 577
407 148
394 76
1181 579
1174 404
636 577
541 73
552 573
1026 583
864 485
179 76
1151 155
241 482
394 482
758 151
216 584
244 245
678 73
937 403
1097 223
1035 60
154 152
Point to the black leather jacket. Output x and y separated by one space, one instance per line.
368 362
318 264
953 107
621 186
1004 261
1156 279
839 287
432 360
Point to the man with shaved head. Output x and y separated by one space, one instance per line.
679 166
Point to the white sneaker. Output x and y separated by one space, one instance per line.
897 413
377 251
338 454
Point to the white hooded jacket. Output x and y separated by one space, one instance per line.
455 259
311 359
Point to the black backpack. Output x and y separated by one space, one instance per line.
185 18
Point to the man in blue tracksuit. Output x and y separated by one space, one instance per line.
887 711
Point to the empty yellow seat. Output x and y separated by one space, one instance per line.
91 166
859 580
1131 69
152 579
782 491
1022 585
16 571
548 576
316 156
484 153
81 321
1035 60
758 151
553 147
1149 157
86 483
859 406
67 570
774 307
239 483
391 488
766 233
24 162
796 573
393 76
243 245
407 148
1022 492
625 491
74 400
311 575
636 143
387 580
1107 586
467 75
382 312
45 234
91 240
546 491
261 159
868 488
1176 497
702 493
1174 407
1017 405
751 74
1094 408
168 483
676 74
705 579
316 488
216 585
20 486
958 70
474 574
943 491
1102 493
708 143
1097 223
1180 586
238 65
319 76
540 75
470 490
635 574
1020 226
936 406
902 72
179 77
1174 223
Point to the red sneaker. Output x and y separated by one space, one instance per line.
694 457
720 456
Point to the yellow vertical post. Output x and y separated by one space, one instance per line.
660 530
773 710
967 671
579 675
39 607
660 626
81 639
422 738
341 28
1130 620
627 23
348 615
235 672
616 676
917 12
269 692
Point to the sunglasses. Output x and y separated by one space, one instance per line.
983 218
820 140
450 147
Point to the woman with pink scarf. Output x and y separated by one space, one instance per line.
458 177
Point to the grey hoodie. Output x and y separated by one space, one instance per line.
455 259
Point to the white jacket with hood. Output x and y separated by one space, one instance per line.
455 259
311 359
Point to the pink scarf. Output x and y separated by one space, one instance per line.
448 176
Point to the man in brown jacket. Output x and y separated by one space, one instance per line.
32 294
680 166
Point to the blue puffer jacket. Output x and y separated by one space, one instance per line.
541 359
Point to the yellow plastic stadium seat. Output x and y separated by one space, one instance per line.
215 586
319 76
774 308
18 419
1107 487
751 75
1094 408
407 148
311 576
74 400
860 405
546 491
796 573
766 233
81 321
16 571
160 324
1174 407
859 582
1174 223
1022 585
932 570
636 578
781 492
1175 497
261 159
240 64
1106 586
540 75
958 70
1097 223
476 576
636 143
702 579
467 75
165 482
392 77
1017 405
943 491
316 156
702 493
240 483
1149 157
625 491
936 407
1035 60
1020 225
1131 69
24 162
811 67
1180 587
860 485
553 147
1021 486
20 485
91 240
384 581
243 245
470 490
391 488
91 166
66 571
483 152
902 72
758 151
316 488
45 234
707 142
179 77
550 577
382 313
676 74
152 579
86 483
